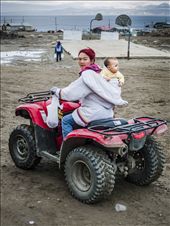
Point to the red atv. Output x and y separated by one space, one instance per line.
93 156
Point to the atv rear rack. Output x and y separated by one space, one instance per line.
36 97
139 126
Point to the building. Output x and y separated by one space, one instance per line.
18 27
28 27
160 25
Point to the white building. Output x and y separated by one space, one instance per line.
19 27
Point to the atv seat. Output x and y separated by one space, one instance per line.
107 123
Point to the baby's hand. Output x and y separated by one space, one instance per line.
107 78
120 83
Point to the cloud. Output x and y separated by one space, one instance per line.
162 9
52 8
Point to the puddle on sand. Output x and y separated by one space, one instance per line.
10 56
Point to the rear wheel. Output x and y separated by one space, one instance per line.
22 147
89 174
160 156
150 161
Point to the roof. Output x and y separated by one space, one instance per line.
104 28
18 24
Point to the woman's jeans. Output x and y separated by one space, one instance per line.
68 125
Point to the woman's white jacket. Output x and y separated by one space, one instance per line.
97 97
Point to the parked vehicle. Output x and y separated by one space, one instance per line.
92 157
160 25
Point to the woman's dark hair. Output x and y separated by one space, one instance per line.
89 52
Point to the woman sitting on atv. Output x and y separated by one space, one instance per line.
96 95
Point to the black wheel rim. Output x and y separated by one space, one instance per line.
139 161
81 176
21 148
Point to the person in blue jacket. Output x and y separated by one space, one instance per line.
58 51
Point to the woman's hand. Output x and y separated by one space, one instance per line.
123 103
55 91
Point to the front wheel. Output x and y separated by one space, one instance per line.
149 161
89 174
22 147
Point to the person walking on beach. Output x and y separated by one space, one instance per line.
96 94
58 51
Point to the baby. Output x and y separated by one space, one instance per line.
111 73
111 70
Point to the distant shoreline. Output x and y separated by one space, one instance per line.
75 22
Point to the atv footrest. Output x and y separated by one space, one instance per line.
55 158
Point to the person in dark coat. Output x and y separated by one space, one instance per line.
58 51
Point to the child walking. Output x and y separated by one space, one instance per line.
58 51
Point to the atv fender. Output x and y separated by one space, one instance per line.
83 137
32 112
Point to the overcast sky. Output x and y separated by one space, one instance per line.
23 8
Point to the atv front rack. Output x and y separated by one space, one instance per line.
138 126
39 96
36 97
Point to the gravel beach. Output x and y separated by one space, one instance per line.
41 197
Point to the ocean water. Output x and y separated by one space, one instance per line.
45 23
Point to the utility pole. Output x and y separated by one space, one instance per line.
55 23
109 23
129 34
22 19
